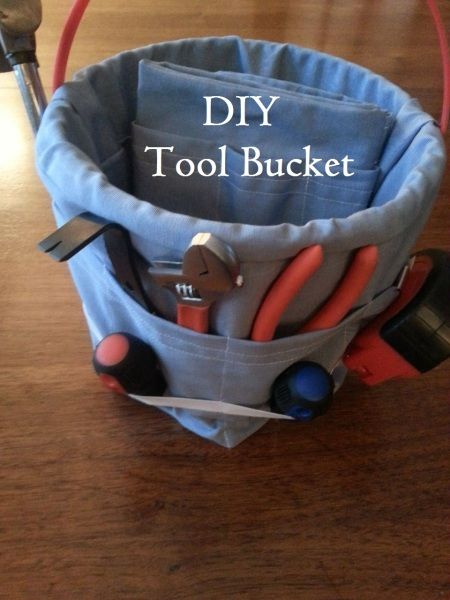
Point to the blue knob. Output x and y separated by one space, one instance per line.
304 391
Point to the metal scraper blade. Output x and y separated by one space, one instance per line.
73 236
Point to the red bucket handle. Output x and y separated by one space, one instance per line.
79 6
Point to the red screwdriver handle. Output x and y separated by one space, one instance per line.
127 365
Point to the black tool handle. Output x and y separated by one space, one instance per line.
83 229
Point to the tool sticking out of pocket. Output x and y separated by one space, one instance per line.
81 231
410 337
293 278
305 390
209 269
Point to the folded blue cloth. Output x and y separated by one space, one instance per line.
287 122
171 99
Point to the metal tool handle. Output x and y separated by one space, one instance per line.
19 19
32 92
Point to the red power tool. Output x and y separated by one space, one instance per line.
412 335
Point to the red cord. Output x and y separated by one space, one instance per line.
79 6
65 41
445 57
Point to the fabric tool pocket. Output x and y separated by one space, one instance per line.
207 366
214 367
186 191
263 200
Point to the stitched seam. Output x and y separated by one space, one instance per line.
290 182
343 187
313 344
228 357
173 342
225 361
259 179
290 193
218 190
302 218
328 199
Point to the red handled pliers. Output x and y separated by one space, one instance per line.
298 272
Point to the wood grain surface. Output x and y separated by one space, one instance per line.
101 497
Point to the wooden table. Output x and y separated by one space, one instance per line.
101 497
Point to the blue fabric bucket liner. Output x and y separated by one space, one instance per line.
90 155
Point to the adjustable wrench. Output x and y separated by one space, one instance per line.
209 269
